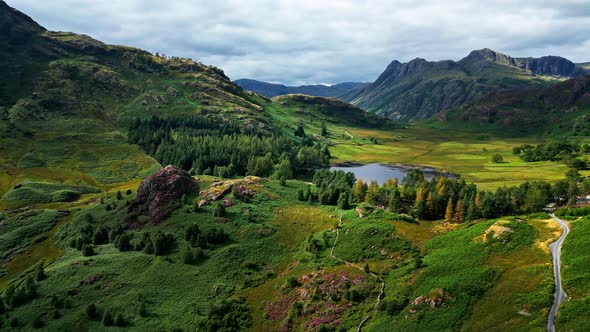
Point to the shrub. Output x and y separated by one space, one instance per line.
107 318
38 322
219 211
91 311
142 311
119 320
64 196
87 250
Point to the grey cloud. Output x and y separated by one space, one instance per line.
328 41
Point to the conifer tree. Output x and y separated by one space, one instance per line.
459 213
372 195
449 212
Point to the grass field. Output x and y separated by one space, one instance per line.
446 150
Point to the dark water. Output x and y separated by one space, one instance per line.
382 173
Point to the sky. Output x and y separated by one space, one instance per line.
323 41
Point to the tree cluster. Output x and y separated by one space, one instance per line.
223 148
553 151
453 200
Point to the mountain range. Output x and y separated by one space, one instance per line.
319 90
419 89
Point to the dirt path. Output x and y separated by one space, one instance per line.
380 296
559 296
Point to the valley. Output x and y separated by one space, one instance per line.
145 192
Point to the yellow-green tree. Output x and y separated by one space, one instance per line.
449 212
459 213
372 193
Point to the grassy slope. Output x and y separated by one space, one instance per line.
262 255
573 313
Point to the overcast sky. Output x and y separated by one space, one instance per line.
323 41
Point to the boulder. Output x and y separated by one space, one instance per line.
159 193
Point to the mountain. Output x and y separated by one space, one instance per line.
418 89
562 109
272 90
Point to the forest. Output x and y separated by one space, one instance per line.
208 146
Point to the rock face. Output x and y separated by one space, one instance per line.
158 194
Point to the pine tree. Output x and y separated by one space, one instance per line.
449 212
343 201
119 195
394 200
324 131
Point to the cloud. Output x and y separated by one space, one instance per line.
328 41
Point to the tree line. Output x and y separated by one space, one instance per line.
439 198
553 151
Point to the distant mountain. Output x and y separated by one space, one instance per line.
562 109
418 89
272 90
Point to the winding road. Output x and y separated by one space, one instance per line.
559 296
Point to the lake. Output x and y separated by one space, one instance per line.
382 173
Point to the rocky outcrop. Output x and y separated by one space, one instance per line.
158 195
551 66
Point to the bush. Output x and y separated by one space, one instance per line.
107 318
219 211
91 311
142 311
497 158
120 320
87 250
38 322
64 196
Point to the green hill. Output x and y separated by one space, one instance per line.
419 89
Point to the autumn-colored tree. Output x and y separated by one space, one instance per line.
431 204
421 195
449 212
459 213
478 199
360 190
391 183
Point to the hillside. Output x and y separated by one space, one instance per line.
272 90
418 89
562 109
333 110
67 100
